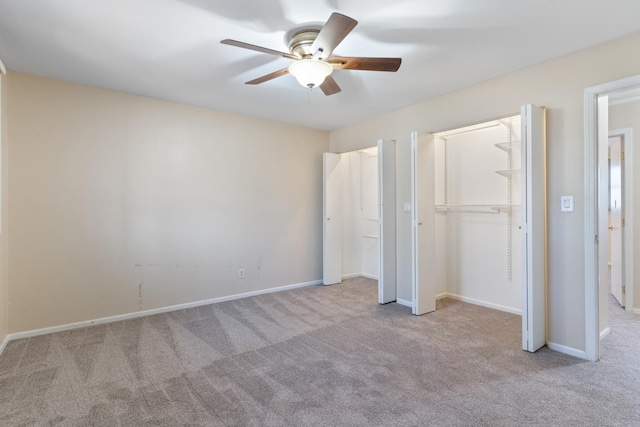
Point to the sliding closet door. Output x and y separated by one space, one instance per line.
423 223
332 219
533 228
387 221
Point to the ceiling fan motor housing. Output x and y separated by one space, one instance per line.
301 42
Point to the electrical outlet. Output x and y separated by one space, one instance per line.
241 273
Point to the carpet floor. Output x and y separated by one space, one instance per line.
317 356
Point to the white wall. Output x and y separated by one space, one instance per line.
558 85
628 116
119 203
360 213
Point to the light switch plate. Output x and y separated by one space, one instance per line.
566 203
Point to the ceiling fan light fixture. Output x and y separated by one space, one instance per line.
310 72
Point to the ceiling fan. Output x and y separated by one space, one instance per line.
311 49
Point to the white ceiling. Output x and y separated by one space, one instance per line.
170 49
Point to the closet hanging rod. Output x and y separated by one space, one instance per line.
481 209
468 129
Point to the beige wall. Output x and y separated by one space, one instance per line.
628 116
120 203
559 85
4 282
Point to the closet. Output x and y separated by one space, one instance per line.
478 206
359 217
360 213
479 229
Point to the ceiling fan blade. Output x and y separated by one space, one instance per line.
259 49
329 86
365 64
268 77
332 33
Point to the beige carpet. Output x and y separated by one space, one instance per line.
317 356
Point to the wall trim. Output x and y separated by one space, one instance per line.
636 311
5 341
484 304
567 350
441 296
134 315
603 333
404 302
354 275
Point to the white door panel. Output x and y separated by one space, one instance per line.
387 221
332 219
533 228
423 223
615 224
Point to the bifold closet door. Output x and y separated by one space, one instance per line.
387 221
332 219
533 228
423 223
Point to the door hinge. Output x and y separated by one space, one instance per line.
623 222
624 289
622 155
595 240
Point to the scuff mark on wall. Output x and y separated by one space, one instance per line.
140 296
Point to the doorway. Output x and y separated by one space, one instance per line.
597 128
359 217
483 204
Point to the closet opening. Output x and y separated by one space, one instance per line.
478 205
479 218
359 217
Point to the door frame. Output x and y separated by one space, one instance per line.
591 185
627 212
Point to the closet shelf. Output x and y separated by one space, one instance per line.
508 172
508 146
483 209
505 208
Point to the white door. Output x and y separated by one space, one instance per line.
423 223
615 221
332 219
387 221
534 228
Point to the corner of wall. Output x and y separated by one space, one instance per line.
4 286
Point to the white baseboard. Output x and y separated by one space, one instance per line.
568 350
484 304
117 318
441 296
5 341
604 333
404 302
354 275
635 311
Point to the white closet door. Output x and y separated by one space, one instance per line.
332 219
387 221
423 223
533 228
615 223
